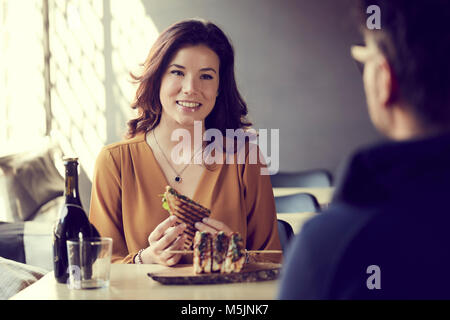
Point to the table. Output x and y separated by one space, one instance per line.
130 282
323 195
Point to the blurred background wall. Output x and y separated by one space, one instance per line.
293 68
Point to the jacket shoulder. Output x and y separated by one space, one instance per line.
138 138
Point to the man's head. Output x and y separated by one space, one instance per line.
407 64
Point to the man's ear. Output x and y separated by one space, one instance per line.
387 84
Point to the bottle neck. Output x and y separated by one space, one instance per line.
71 191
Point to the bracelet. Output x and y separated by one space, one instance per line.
138 256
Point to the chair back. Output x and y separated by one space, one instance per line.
319 178
298 202
285 233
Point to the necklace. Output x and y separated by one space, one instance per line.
177 174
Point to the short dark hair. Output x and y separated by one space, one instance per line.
415 39
230 110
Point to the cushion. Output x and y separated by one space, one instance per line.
28 180
50 211
11 241
28 242
16 276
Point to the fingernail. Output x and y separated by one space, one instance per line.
205 220
196 224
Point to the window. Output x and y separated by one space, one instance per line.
80 96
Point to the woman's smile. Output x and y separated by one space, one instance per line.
188 106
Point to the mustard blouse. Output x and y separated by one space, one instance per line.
126 203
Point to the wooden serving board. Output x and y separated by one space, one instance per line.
184 274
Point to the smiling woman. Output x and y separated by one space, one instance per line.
188 79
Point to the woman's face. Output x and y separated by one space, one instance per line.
190 85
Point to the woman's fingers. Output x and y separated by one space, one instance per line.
213 226
218 225
174 260
159 231
202 227
169 229
175 245
168 234
169 237
169 258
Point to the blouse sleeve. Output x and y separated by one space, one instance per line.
262 226
106 204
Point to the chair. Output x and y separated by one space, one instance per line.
318 178
285 233
298 202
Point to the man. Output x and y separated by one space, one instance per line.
387 232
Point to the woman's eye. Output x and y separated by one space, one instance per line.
206 77
176 72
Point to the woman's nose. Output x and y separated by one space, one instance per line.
189 85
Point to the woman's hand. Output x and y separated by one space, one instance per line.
213 226
166 236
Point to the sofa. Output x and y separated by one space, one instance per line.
31 195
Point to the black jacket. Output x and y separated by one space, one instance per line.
388 226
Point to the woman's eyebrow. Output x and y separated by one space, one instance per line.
208 69
176 65
202 69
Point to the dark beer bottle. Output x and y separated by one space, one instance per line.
73 221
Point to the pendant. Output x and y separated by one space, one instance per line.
178 179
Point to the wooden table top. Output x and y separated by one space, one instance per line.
130 281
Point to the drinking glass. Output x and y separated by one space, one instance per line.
89 262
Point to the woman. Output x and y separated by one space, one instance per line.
188 79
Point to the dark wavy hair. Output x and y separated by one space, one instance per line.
415 39
230 110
